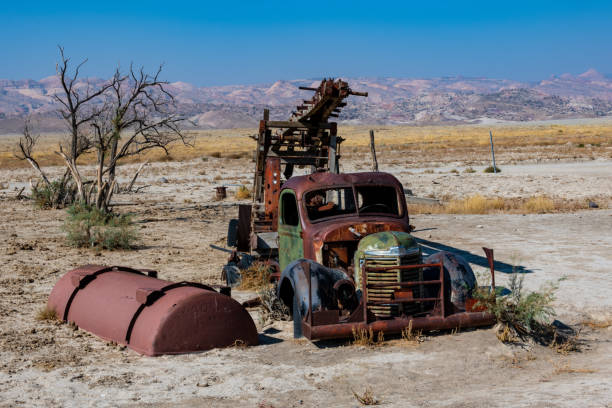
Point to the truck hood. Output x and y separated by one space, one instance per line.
354 229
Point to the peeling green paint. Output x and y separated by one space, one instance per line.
290 242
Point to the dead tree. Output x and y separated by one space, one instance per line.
125 116
59 193
79 110
139 114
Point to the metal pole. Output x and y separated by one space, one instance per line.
492 151
373 150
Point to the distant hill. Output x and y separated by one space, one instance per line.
451 100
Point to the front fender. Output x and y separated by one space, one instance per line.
294 283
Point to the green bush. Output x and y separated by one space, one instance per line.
88 226
490 169
54 195
527 313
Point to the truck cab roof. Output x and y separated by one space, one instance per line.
314 181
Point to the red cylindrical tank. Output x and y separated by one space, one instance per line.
149 315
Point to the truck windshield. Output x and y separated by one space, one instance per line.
329 202
377 199
332 202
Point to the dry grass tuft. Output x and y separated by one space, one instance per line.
243 193
505 334
46 314
367 398
565 344
412 337
475 204
363 337
540 204
239 344
257 276
478 204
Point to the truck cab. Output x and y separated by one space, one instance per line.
324 216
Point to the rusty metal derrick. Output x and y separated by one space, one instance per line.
306 139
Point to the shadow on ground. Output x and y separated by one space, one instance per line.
431 247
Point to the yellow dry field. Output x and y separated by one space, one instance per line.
425 143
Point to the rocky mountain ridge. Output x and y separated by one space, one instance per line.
449 100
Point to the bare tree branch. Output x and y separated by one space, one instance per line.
26 147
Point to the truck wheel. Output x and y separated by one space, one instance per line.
297 319
232 233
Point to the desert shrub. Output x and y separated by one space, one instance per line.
491 170
54 195
88 226
522 314
539 204
469 170
243 193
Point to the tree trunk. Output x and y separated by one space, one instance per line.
75 175
113 154
100 199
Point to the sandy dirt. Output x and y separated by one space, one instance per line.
52 364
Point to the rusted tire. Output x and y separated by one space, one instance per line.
232 233
459 279
328 285
297 319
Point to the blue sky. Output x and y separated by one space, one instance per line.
232 42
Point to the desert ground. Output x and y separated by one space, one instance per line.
46 363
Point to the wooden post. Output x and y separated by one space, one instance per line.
373 150
492 151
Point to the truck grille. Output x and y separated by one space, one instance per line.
390 276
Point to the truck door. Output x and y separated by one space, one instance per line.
290 242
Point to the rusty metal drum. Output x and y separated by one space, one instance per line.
149 315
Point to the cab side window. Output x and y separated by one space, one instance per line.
290 210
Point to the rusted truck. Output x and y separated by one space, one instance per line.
341 243
349 262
